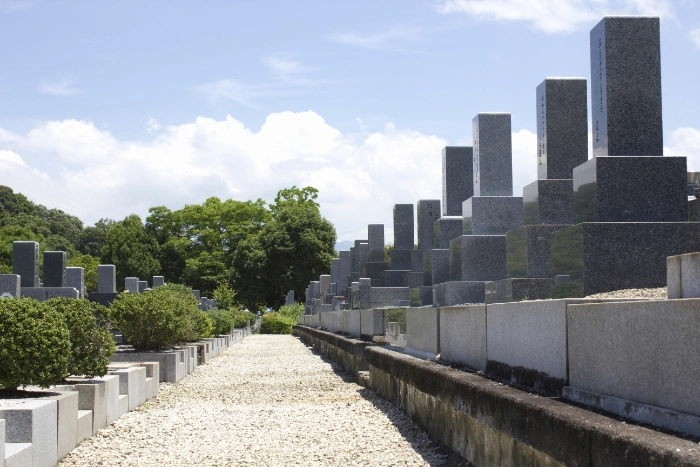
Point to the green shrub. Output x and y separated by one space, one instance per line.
292 311
274 323
91 344
159 318
397 315
34 344
241 318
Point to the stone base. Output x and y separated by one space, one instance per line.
491 215
375 271
42 294
478 258
519 289
394 278
445 229
631 189
386 296
104 299
401 259
421 296
548 202
413 280
694 210
436 266
602 257
528 250
458 293
417 260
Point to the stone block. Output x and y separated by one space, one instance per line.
412 280
131 284
394 278
528 250
694 210
421 296
482 257
25 262
375 271
104 299
386 296
436 266
403 227
457 178
562 127
683 276
643 351
171 363
54 269
401 259
106 278
142 286
130 385
354 324
463 336
626 87
423 332
67 419
324 281
491 215
158 281
417 261
344 266
458 293
375 241
445 229
516 290
549 202
18 454
428 211
631 189
362 254
99 396
46 293
371 323
493 155
75 277
10 285
35 422
84 426
601 257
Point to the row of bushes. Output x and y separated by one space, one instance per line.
281 322
42 343
223 321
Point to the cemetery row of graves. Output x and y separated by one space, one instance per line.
506 285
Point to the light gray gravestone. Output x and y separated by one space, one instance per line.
457 178
158 281
375 236
493 155
325 283
335 264
54 269
75 277
106 278
403 227
25 262
142 286
289 300
365 288
428 213
196 293
10 285
626 87
131 284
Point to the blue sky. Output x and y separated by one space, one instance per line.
109 108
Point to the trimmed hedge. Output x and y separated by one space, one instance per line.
223 321
35 346
159 318
275 323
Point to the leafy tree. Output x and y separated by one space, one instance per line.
13 204
225 297
61 224
89 264
59 243
131 250
93 238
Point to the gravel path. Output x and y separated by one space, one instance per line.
268 401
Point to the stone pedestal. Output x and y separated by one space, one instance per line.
515 290
491 215
394 278
436 266
548 202
458 293
445 229
528 250
421 296
413 280
401 259
478 258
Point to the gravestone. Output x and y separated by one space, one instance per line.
335 263
25 262
445 229
492 155
196 293
363 255
10 286
324 281
54 269
158 281
75 277
142 286
343 272
106 278
131 284
457 174
375 265
42 294
403 237
289 300
364 288
428 213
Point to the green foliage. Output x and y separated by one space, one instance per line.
91 343
292 311
159 318
131 250
275 323
388 248
397 315
92 239
35 344
224 320
89 264
225 297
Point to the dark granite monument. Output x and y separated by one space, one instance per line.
457 185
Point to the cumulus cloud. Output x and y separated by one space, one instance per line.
694 36
64 87
555 16
685 142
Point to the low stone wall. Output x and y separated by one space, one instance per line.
349 353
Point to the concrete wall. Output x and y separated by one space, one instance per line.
349 353
463 335
371 323
423 332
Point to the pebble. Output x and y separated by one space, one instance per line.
658 293
268 401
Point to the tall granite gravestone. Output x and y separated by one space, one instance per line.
363 256
562 144
75 277
479 255
428 211
375 265
403 246
158 281
457 174
289 299
25 262
343 273
324 281
131 284
630 202
54 269
106 285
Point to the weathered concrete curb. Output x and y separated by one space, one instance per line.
489 423
349 353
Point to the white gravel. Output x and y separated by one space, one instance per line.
268 401
658 293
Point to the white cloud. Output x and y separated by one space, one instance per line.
152 125
380 40
524 160
685 142
234 90
64 87
694 36
16 5
556 16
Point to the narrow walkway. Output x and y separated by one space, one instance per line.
269 401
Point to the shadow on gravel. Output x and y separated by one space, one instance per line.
407 427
